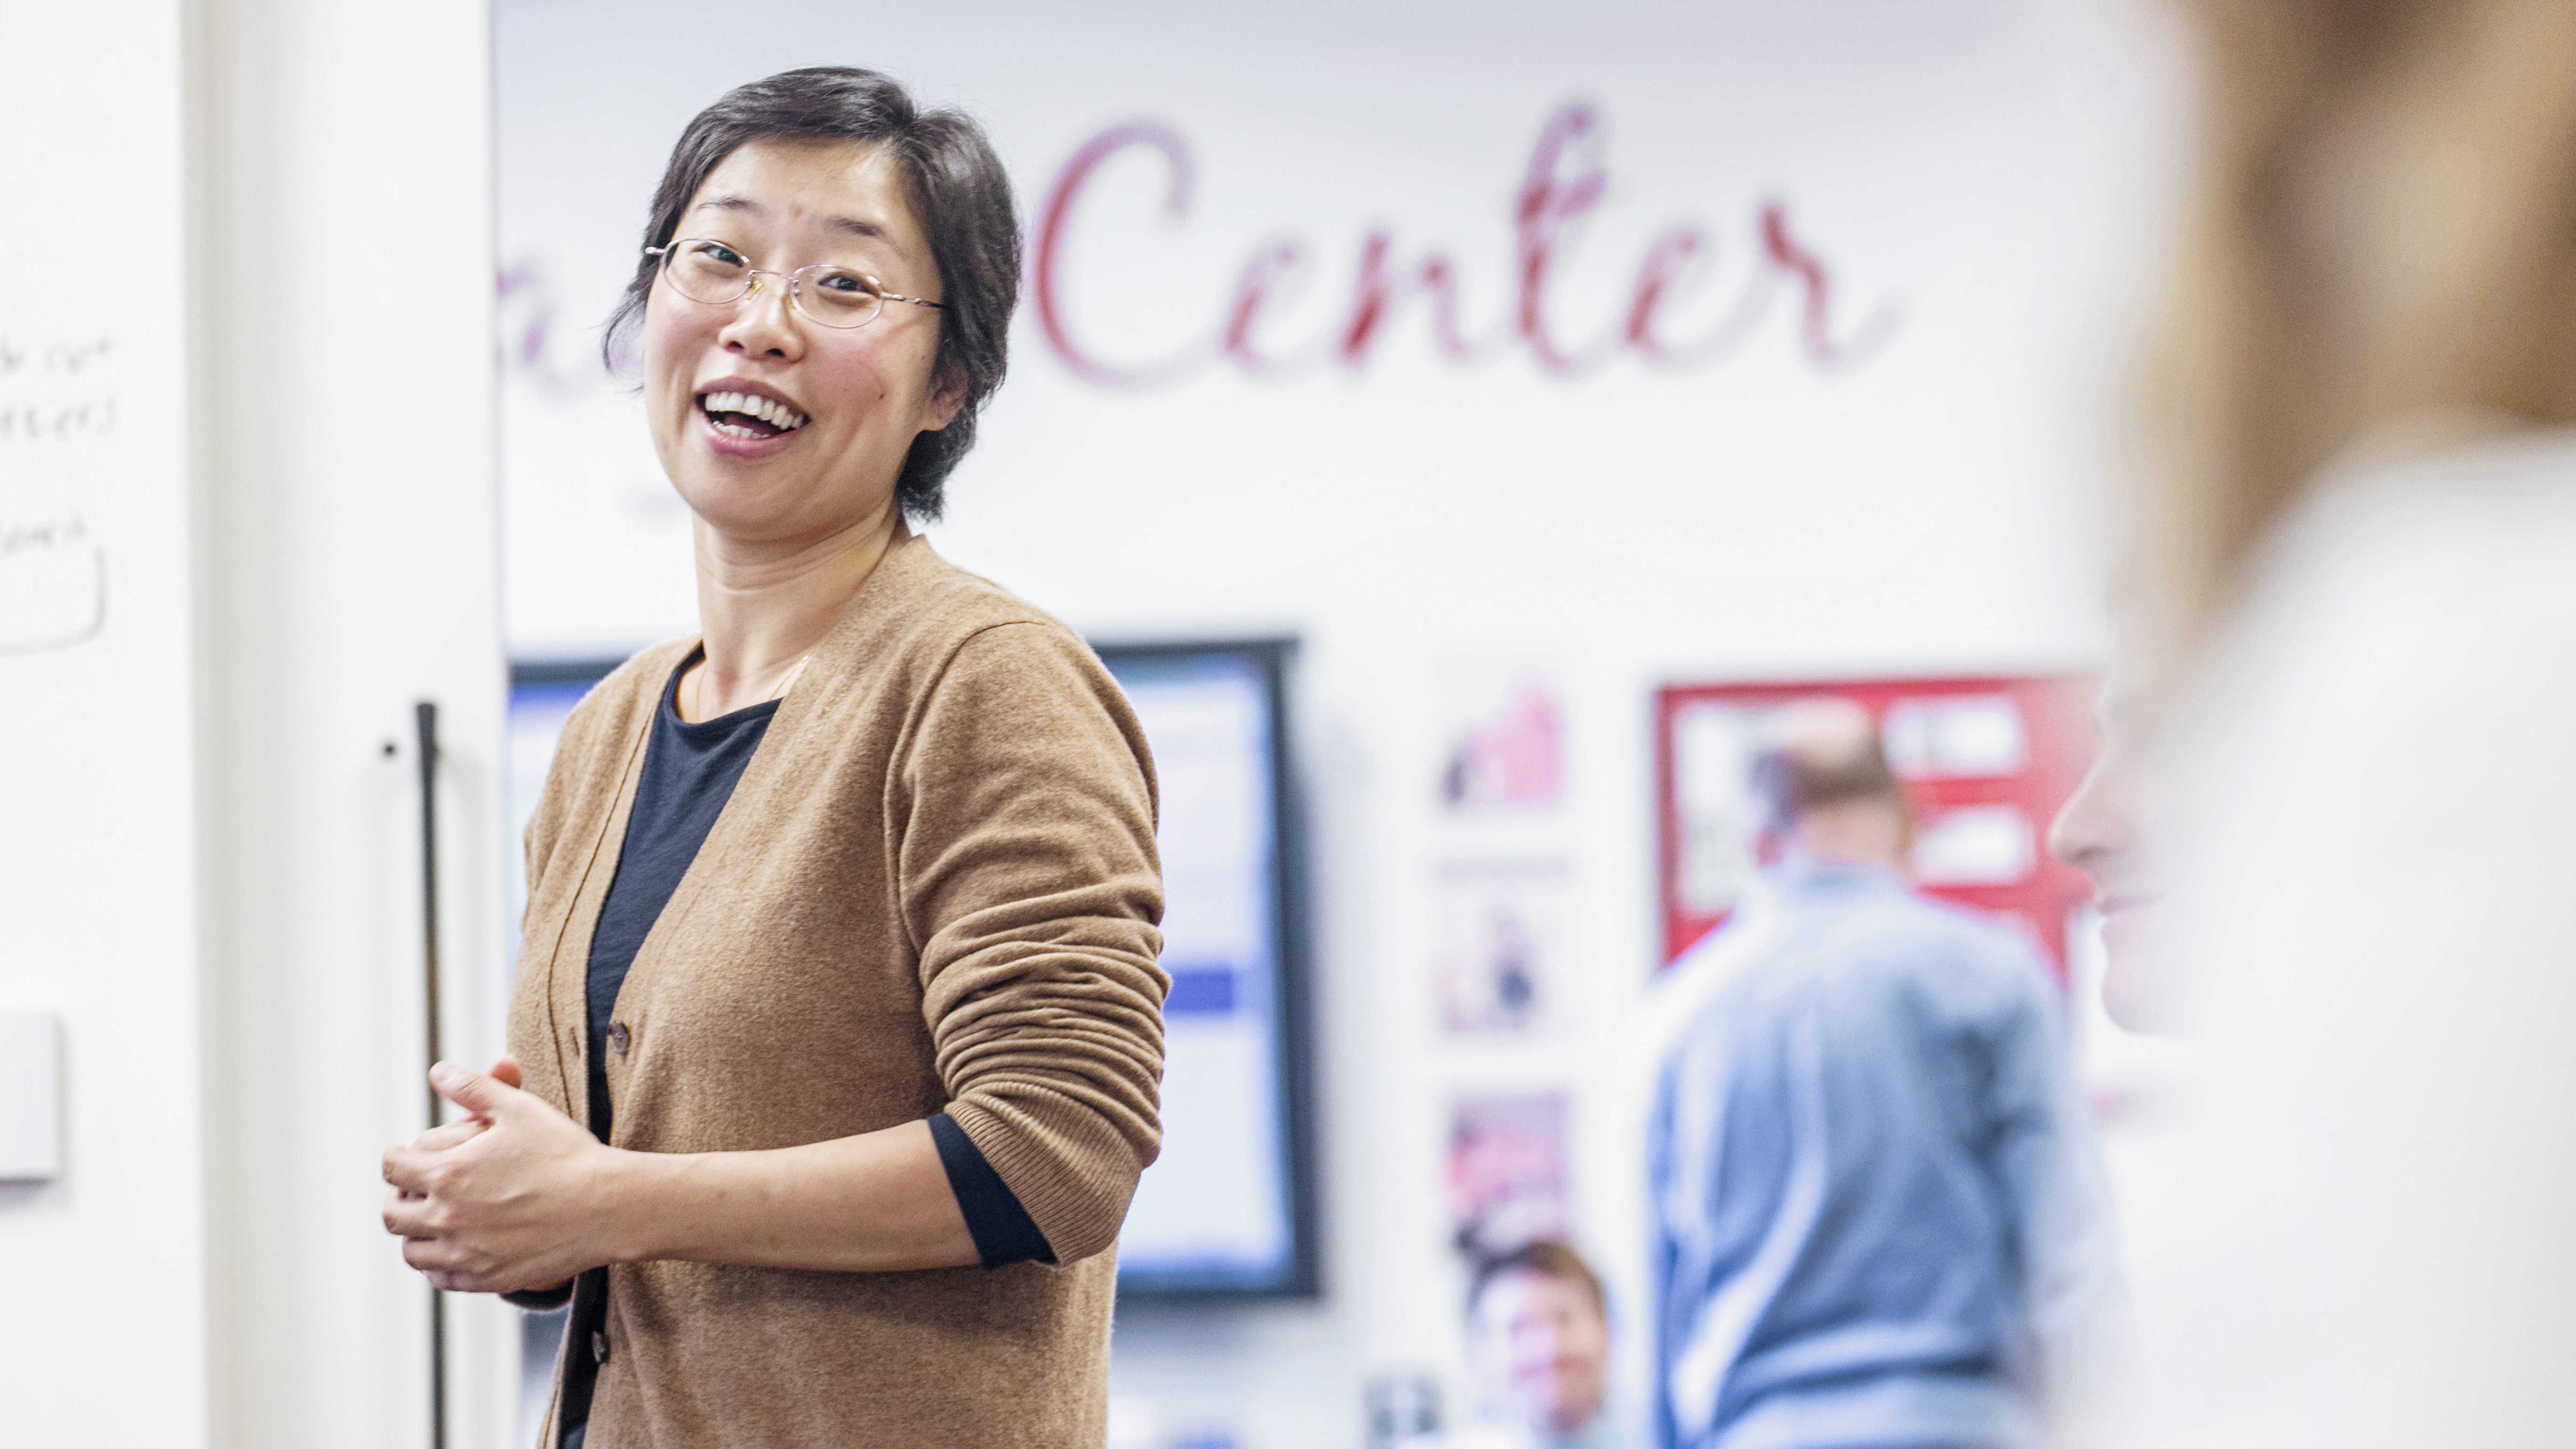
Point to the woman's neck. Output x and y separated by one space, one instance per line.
763 608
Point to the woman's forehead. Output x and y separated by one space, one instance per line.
842 189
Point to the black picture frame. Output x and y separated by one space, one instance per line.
1293 1014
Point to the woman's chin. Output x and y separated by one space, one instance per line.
2137 990
746 504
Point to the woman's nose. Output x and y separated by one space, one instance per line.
2087 828
760 324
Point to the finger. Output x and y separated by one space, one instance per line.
473 1091
408 1169
451 1134
506 1072
449 1268
408 1217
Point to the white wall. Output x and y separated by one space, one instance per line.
277 215
1994 172
99 877
350 570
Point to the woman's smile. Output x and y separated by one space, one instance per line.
745 419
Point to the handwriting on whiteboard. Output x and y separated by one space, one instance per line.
57 390
57 397
53 584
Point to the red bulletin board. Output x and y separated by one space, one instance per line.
1987 762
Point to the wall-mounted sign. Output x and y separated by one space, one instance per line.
1567 177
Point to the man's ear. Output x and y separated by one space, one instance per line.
947 395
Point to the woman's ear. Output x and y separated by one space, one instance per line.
947 395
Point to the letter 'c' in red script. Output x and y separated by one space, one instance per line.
1048 248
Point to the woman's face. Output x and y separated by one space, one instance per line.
864 393
2102 832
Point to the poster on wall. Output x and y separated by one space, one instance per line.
1499 946
1508 1181
1502 741
1986 764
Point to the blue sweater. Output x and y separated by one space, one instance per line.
1875 1208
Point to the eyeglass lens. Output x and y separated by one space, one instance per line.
714 273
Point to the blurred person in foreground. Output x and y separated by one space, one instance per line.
1540 1329
2103 830
1877 1219
2363 546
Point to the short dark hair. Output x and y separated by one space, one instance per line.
959 194
1546 1257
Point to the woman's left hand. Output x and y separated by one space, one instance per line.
505 1200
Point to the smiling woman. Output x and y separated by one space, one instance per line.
837 1031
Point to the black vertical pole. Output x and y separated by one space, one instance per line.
426 714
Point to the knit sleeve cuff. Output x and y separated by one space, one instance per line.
1002 1229
541 1300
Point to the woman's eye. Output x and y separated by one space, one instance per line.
846 283
718 253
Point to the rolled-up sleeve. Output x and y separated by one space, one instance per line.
1029 884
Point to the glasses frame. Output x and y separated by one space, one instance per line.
795 281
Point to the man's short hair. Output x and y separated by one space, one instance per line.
1820 752
1546 1257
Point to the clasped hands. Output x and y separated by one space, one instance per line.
504 1199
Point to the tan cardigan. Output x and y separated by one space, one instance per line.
934 887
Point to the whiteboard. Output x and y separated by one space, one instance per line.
98 792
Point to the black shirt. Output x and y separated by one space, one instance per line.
690 771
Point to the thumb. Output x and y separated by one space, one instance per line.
476 1093
506 1072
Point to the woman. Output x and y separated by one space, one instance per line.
838 1011
2366 544
2102 830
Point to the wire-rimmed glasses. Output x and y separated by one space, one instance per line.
713 272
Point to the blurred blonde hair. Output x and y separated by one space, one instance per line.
2386 239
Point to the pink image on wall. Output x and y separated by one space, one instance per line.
1507 1171
1507 749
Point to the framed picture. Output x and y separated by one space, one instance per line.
1987 763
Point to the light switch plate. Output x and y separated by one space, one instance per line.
31 1096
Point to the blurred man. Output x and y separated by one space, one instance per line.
1541 1332
1877 1221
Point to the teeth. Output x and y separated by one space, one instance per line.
777 414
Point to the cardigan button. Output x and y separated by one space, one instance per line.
598 1347
617 1037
